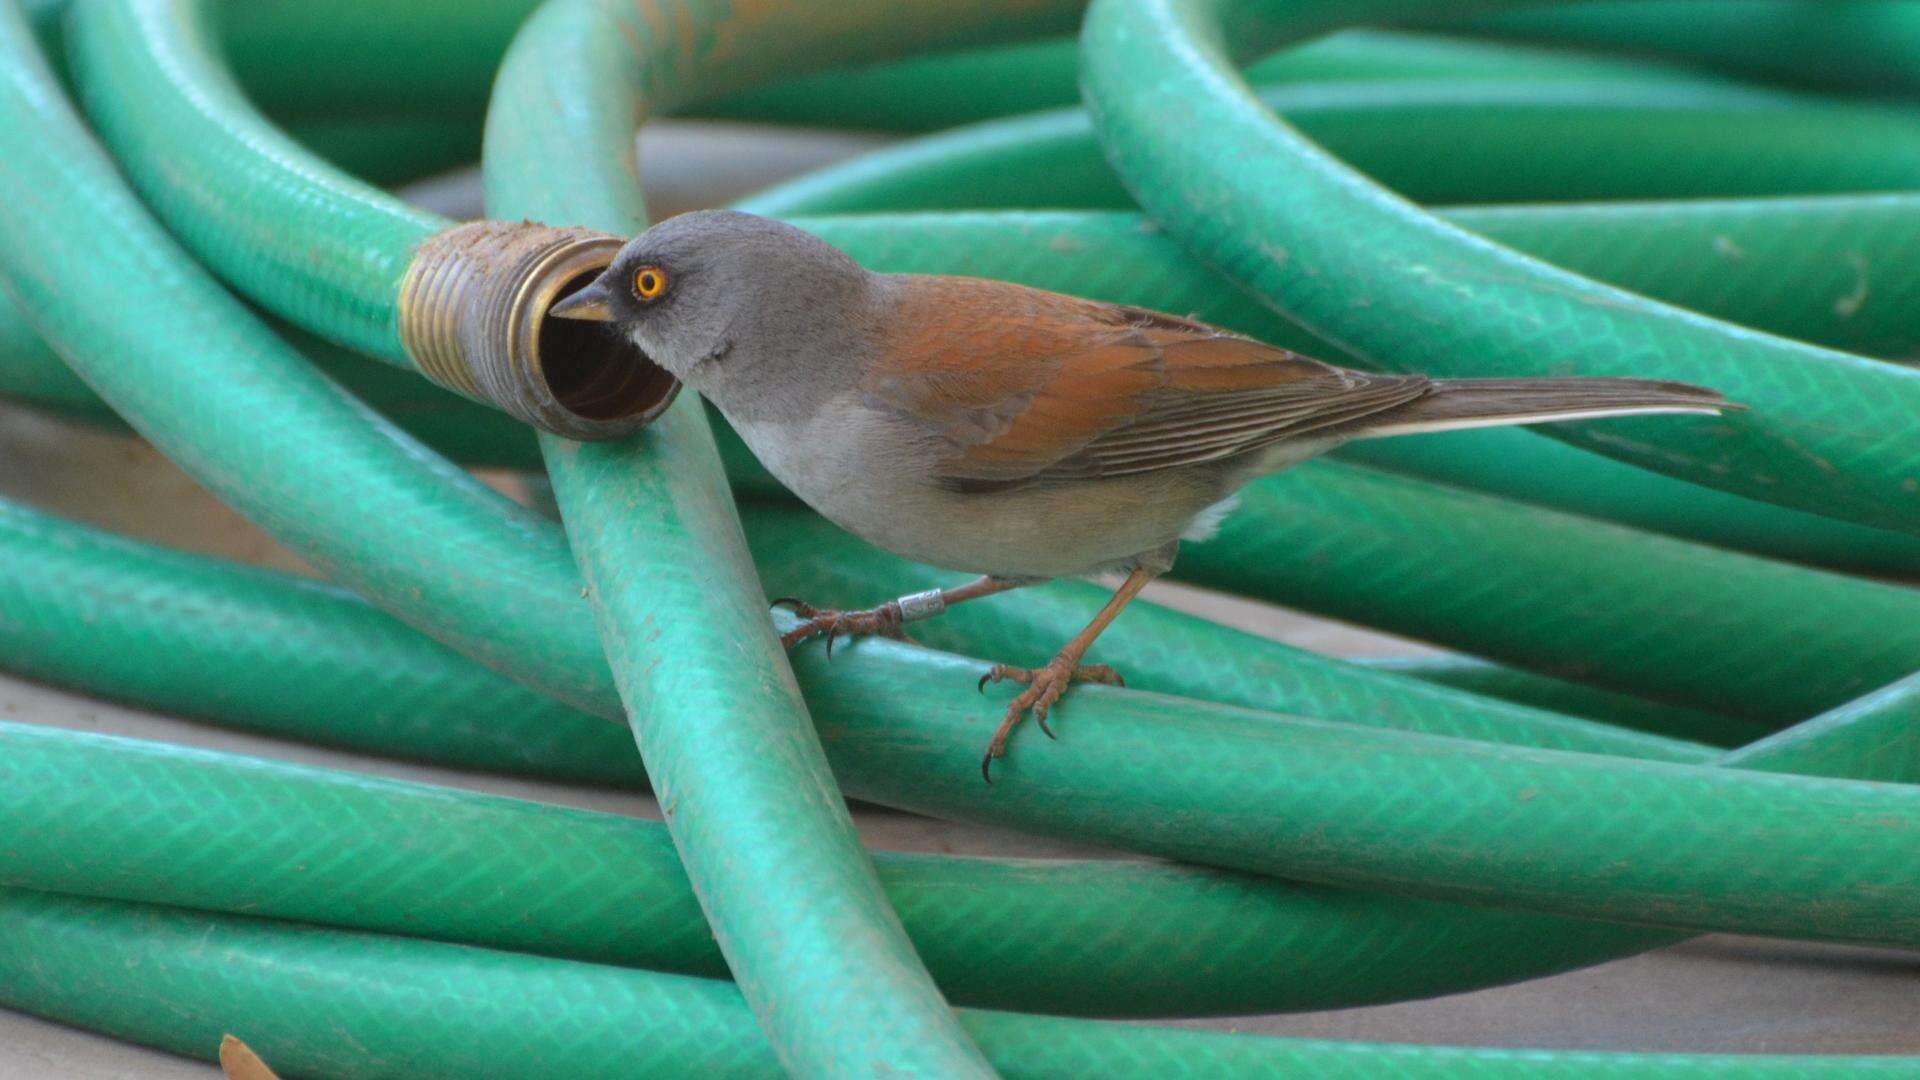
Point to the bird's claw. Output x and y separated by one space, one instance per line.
884 620
1044 685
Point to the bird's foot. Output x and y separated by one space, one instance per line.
1044 687
884 620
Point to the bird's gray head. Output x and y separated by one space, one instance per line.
725 300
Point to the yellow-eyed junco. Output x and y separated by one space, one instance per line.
1010 432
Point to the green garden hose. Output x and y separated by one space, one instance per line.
1478 142
147 807
1860 47
922 93
1807 268
809 935
1093 938
326 1003
1198 151
1533 838
1304 786
1818 268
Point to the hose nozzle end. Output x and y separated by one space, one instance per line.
473 316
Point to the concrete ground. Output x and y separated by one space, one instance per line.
1713 994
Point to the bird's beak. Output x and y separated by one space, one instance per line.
589 304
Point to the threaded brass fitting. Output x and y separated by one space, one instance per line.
473 315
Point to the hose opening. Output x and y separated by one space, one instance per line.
473 315
595 373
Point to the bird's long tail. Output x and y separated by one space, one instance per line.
1452 404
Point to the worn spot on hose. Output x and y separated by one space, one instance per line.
1849 305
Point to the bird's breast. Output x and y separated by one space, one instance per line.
860 470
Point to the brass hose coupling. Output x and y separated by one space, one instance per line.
473 316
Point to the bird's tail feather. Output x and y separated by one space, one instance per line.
1468 403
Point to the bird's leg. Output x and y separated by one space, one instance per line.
1046 684
888 618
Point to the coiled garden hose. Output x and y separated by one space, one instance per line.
1478 142
1435 816
1863 48
1354 262
525 1016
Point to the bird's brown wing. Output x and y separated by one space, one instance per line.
1028 386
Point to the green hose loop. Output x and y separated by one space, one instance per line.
523 615
347 245
947 90
1631 611
330 1003
195 638
303 459
1861 47
133 808
1871 738
867 720
1078 938
1481 677
1478 141
272 653
752 806
1740 259
1360 265
293 657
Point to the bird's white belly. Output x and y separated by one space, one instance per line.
1037 532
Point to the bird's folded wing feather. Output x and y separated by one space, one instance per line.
1020 386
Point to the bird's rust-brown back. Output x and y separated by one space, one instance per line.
1028 385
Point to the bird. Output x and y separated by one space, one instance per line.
1009 432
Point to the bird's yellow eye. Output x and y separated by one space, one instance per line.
649 282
